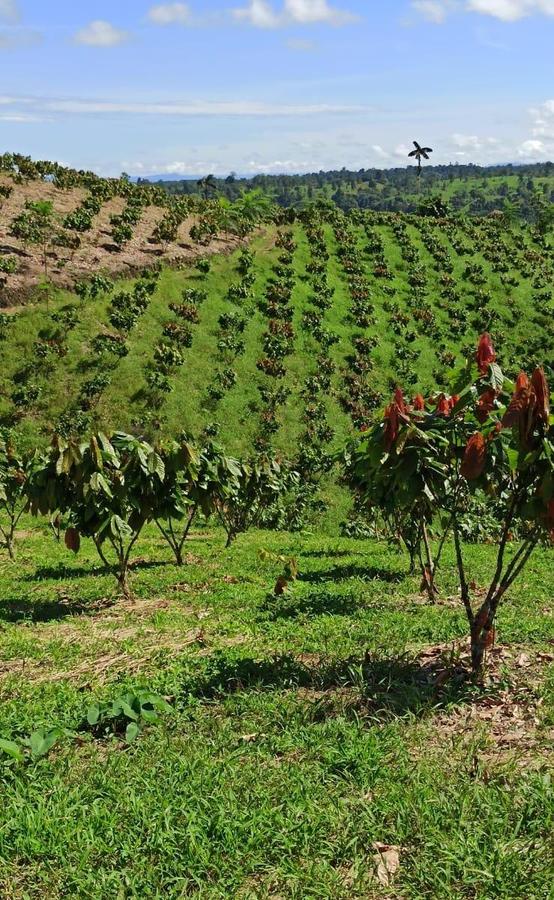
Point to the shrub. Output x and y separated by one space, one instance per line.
168 357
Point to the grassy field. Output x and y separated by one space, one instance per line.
311 738
470 196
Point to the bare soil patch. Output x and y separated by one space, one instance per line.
97 252
511 717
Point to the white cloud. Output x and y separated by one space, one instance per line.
262 14
433 10
533 149
196 108
190 108
101 34
543 120
378 150
506 10
473 146
511 10
466 141
177 168
169 14
19 37
21 117
258 13
308 11
183 168
202 166
472 141
402 150
9 10
276 167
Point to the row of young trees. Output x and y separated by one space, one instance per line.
109 488
419 469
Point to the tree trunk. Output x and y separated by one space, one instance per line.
428 568
477 654
123 582
428 584
482 635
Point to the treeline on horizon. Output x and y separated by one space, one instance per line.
469 189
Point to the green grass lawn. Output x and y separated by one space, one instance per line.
305 730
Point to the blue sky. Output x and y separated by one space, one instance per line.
275 85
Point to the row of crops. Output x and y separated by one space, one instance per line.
290 344
416 475
262 363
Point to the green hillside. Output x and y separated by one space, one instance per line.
338 314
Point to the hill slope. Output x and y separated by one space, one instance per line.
85 234
291 343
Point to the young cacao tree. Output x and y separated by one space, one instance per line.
248 211
13 478
495 437
196 481
503 444
253 486
181 498
108 488
37 224
398 469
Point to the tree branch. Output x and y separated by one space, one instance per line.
462 574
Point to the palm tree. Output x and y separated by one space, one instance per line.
208 185
420 153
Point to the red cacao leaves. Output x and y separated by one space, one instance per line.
542 393
485 404
475 457
395 413
485 355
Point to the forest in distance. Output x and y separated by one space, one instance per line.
467 189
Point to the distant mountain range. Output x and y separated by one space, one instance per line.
165 177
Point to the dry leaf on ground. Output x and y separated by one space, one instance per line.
387 862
